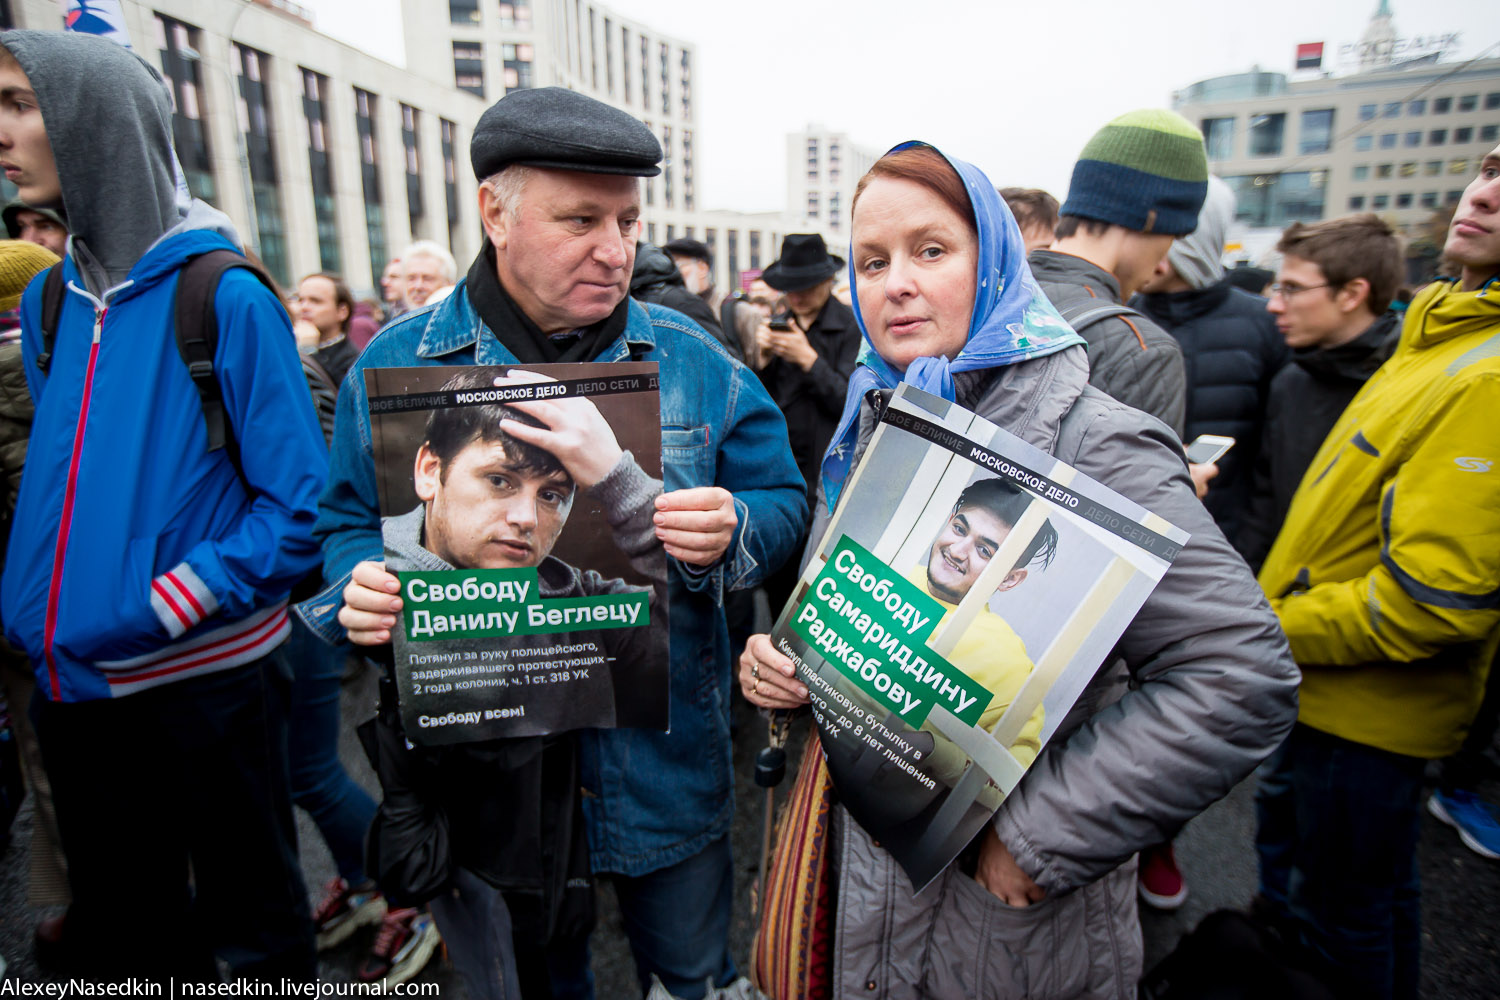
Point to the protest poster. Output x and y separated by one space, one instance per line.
516 511
965 593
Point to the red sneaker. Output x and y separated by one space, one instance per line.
1159 881
344 910
403 946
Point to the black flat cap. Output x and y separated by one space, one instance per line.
559 128
684 247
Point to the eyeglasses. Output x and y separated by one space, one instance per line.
1287 289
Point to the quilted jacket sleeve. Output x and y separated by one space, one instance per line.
1215 691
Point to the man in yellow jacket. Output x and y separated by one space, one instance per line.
1386 578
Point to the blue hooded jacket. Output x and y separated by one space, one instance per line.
137 557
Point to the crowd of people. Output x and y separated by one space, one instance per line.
195 559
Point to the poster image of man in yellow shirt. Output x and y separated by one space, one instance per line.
989 650
885 796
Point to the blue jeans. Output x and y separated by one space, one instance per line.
1337 833
677 920
341 809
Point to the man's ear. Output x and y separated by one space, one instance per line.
1012 579
493 216
1353 294
427 474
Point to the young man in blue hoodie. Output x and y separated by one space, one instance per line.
148 576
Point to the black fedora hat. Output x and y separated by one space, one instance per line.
804 262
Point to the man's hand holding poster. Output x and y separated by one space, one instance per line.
517 509
964 595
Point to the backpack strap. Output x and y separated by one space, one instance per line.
52 298
197 329
1084 314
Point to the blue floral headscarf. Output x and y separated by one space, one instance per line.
1012 321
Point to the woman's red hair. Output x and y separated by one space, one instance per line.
925 166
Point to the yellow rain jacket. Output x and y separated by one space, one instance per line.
1386 574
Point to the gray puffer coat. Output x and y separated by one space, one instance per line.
1130 357
1214 692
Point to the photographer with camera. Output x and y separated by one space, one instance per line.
806 353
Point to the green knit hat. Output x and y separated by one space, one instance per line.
1146 170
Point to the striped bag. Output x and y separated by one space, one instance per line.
791 957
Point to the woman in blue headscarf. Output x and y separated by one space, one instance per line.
946 302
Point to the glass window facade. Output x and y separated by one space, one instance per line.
468 67
1317 131
1266 134
666 81
365 104
177 47
315 113
1279 199
411 123
260 150
519 70
1218 136
449 134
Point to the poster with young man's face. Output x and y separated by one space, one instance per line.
517 509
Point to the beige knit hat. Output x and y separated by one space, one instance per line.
20 261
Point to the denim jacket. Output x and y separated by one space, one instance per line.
651 799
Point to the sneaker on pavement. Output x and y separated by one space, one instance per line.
403 947
344 910
1471 816
1159 881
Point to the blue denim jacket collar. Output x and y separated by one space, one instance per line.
455 326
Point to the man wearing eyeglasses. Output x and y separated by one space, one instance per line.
1331 303
1386 580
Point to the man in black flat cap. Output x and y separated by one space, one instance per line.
560 202
806 357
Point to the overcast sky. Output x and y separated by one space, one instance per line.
1015 87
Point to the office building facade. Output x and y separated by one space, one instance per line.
328 158
822 169
1399 141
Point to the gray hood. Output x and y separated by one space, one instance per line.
1198 257
109 120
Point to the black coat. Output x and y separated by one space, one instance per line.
1306 399
813 400
656 279
1231 349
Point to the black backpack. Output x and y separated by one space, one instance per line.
197 329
